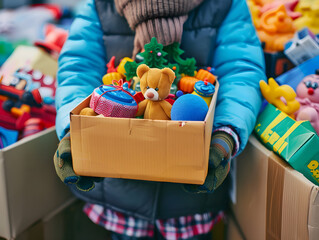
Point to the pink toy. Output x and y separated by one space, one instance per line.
290 6
308 96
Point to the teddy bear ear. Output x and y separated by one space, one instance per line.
141 70
170 73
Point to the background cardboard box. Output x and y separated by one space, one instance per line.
29 186
154 150
30 56
274 201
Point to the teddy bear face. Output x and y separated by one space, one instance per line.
309 88
155 83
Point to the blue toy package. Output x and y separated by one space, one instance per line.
295 75
7 137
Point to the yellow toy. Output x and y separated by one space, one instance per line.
310 16
255 13
120 68
109 77
274 94
155 85
276 28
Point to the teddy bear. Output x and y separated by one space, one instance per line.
308 97
155 85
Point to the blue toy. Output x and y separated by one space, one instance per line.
189 107
7 137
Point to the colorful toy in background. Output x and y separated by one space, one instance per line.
155 85
276 28
308 97
54 40
283 97
310 15
7 137
7 48
304 46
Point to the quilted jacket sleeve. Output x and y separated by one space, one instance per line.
82 64
239 64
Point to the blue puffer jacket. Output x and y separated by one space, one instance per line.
235 53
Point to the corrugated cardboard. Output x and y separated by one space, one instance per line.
274 201
155 150
29 186
34 57
67 222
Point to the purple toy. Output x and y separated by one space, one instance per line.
308 96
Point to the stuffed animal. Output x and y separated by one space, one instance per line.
308 97
155 85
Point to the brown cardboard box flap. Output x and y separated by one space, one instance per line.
285 203
155 150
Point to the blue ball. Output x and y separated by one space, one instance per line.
189 107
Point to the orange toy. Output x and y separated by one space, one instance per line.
276 28
187 83
204 74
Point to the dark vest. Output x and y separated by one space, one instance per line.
155 200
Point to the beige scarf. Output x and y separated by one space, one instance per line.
162 19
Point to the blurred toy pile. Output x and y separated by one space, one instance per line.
159 86
289 124
31 38
287 29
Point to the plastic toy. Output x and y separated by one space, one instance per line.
304 46
308 97
120 68
54 39
309 18
109 77
255 12
189 107
32 126
204 74
276 28
274 94
187 83
155 85
290 6
113 101
44 85
7 137
205 90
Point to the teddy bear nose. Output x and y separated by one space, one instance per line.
310 91
150 95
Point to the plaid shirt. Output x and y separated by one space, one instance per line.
173 228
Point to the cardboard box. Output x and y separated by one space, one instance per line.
67 222
274 201
155 150
294 141
28 56
29 186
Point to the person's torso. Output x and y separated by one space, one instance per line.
155 200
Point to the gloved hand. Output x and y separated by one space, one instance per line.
64 169
221 149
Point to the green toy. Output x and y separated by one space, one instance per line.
157 56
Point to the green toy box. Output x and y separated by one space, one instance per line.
295 141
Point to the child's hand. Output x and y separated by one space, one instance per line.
221 149
63 167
